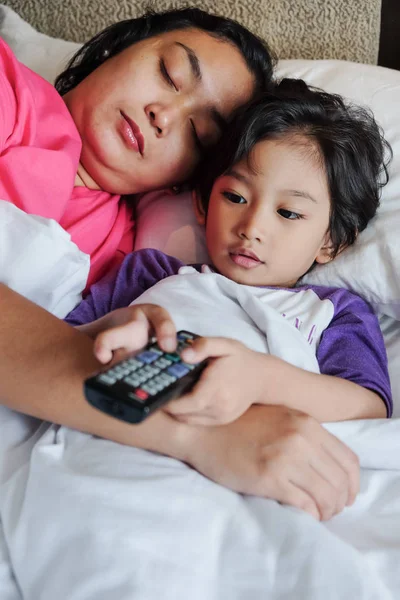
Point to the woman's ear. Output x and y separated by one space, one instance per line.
198 208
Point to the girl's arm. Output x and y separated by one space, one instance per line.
353 384
284 455
239 377
324 397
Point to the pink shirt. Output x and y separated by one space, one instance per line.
39 155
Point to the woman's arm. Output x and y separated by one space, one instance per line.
284 455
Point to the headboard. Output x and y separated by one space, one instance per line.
361 31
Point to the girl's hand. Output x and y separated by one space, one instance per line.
234 379
128 329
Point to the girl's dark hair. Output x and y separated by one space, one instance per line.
350 144
118 37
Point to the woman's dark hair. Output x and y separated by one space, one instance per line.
350 144
118 37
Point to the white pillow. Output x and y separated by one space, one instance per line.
41 53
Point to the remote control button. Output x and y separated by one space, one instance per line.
106 379
131 381
135 397
161 363
164 377
178 370
147 357
133 364
150 390
156 349
173 357
182 335
140 393
188 366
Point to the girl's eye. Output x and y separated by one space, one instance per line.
165 74
235 198
289 214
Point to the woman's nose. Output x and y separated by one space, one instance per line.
162 117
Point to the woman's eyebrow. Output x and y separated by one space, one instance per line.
197 74
193 60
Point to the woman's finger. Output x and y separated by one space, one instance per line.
334 473
348 461
293 495
319 489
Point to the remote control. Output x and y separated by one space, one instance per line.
133 388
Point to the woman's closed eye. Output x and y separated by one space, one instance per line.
165 75
235 198
289 214
168 79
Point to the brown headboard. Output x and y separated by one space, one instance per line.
358 30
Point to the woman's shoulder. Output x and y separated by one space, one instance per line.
29 99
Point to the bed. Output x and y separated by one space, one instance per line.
83 518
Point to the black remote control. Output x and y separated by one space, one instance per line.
133 388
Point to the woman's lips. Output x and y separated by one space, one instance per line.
131 134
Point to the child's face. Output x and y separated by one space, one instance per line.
177 88
268 226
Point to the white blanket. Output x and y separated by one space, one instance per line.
39 260
88 519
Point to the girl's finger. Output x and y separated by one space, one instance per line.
162 326
131 337
209 347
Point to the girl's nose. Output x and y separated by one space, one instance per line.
250 229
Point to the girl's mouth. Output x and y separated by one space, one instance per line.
245 259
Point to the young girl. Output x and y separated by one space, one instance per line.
139 104
294 182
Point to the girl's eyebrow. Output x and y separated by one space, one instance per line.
301 194
238 176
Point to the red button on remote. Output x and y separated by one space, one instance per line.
141 394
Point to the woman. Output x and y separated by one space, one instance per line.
177 78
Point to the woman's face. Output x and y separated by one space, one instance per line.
146 115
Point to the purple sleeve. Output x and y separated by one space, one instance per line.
352 347
138 272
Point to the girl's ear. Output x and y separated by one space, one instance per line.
198 208
325 253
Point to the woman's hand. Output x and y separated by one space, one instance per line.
235 378
282 454
128 329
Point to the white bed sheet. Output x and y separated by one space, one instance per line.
88 519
